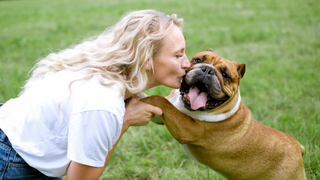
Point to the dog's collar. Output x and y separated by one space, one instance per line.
203 115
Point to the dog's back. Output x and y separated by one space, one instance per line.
249 150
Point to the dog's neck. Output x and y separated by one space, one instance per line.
203 115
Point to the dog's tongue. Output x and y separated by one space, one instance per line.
197 99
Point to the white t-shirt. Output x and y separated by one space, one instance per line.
84 130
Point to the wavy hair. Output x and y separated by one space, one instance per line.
122 53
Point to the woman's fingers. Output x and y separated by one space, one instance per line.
139 113
154 110
148 107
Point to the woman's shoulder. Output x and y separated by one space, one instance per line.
94 86
91 94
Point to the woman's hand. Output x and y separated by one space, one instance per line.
139 113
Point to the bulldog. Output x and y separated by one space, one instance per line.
207 117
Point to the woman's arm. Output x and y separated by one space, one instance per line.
80 171
137 114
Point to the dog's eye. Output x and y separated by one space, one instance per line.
197 60
225 75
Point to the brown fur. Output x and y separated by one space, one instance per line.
238 147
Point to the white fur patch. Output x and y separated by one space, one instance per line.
187 151
203 115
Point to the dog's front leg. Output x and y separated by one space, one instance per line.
182 127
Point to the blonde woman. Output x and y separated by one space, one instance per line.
71 113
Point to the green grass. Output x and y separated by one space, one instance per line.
278 41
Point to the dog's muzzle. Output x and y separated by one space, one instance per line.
200 88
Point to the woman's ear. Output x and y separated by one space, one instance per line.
148 66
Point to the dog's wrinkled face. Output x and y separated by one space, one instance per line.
210 81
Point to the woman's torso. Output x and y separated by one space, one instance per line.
48 127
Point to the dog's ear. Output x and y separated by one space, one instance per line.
241 68
210 49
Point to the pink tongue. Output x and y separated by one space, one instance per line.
197 100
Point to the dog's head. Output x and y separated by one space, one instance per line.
210 82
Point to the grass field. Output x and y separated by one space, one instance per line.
278 41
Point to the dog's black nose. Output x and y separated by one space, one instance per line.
207 70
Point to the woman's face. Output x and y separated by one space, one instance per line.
171 62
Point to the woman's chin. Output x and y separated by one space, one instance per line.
176 85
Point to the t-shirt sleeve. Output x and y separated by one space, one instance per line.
92 135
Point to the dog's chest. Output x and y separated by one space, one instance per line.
188 152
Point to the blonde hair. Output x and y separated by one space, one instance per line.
121 53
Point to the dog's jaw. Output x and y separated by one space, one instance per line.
208 116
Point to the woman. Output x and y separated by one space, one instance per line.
71 114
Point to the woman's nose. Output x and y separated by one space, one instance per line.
185 63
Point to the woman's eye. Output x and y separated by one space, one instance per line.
197 60
179 56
